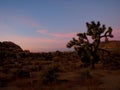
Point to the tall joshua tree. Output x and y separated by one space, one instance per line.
86 49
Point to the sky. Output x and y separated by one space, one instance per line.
48 25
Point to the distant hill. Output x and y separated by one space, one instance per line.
10 46
111 46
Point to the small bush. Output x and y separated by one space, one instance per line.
50 76
4 81
22 74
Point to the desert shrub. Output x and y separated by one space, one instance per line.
58 53
36 68
22 74
23 54
50 76
5 70
56 58
3 82
113 65
2 57
48 56
4 79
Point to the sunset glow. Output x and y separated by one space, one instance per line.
47 25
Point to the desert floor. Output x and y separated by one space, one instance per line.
70 77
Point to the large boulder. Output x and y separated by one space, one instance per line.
9 50
10 46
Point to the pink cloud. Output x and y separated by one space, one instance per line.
59 35
36 44
29 22
20 20
64 35
43 31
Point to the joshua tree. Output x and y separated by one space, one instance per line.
86 49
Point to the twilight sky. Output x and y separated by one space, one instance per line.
47 25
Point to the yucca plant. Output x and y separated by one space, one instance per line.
86 49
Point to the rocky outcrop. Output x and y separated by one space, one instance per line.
10 47
112 60
113 46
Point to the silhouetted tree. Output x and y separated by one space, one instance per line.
86 49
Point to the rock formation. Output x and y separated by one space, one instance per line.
10 46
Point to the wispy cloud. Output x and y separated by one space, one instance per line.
11 26
16 19
36 43
29 22
63 35
42 31
59 35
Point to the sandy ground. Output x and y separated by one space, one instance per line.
101 80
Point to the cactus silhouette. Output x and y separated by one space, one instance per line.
86 49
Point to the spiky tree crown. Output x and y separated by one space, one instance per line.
96 31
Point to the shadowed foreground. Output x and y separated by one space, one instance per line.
59 70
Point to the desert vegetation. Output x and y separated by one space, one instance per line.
24 70
86 50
